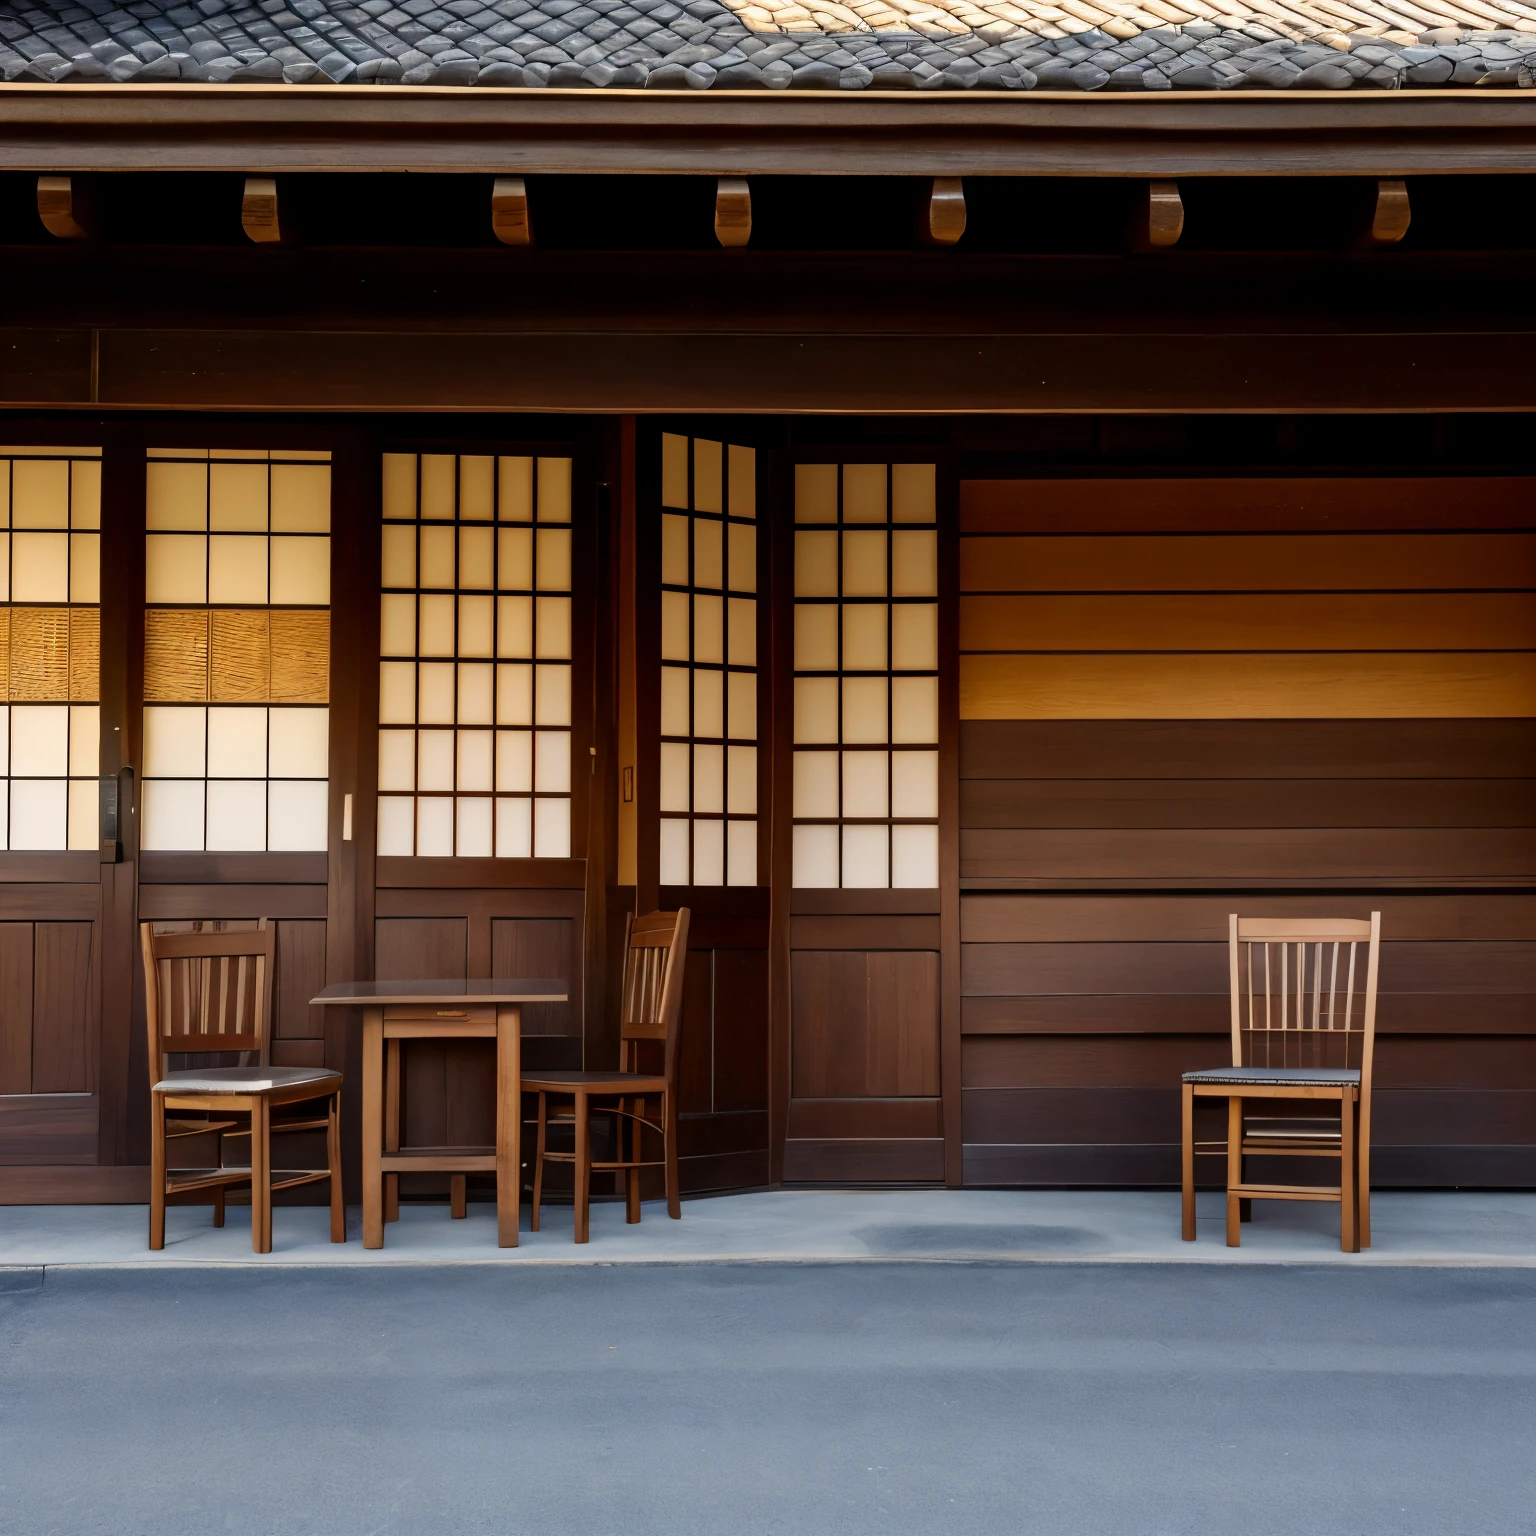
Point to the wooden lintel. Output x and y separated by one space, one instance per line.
510 221
64 206
733 211
1390 214
1159 217
944 217
259 216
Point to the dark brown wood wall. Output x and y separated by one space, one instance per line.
1100 856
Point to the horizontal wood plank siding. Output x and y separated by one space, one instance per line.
1188 697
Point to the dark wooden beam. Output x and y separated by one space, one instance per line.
267 129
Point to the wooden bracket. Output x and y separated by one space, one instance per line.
510 222
944 219
1159 217
733 211
258 211
65 206
1390 215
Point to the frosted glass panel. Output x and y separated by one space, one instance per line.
554 491
237 743
5 740
708 705
815 709
476 693
816 564
915 857
399 558
514 694
915 563
237 815
865 785
437 557
816 784
298 743
435 692
708 629
674 471
175 496
674 853
709 780
475 836
40 567
866 858
85 567
742 639
816 637
397 625
515 490
434 828
477 626
475 765
674 550
914 496
40 739
237 569
674 626
742 572
864 564
40 493
552 829
514 626
399 493
741 721
397 760
84 814
864 493
554 560
173 814
514 556
436 633
477 559
477 489
709 853
237 497
434 760
708 553
741 781
437 485
743 476
397 692
174 743
514 762
864 709
176 568
864 637
514 829
552 696
296 817
708 476
741 853
915 637
814 858
85 507
914 784
301 498
674 701
552 763
84 743
397 826
673 785
816 493
915 709
39 814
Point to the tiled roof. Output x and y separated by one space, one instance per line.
943 45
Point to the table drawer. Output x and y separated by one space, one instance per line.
445 1014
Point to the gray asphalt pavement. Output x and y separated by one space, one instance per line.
954 1398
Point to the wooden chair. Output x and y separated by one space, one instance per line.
1303 1030
655 951
210 995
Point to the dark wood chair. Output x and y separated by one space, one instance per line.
1303 1031
655 952
208 999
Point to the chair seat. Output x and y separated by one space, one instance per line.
247 1080
593 1082
1301 1128
1297 1077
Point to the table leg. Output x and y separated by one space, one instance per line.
261 1176
1188 1164
1234 1169
1349 1194
392 1126
373 1127
509 1124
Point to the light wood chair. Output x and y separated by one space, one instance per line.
655 952
210 995
1303 1030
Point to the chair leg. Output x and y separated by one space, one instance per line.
261 1177
157 1172
669 1132
632 1175
333 1162
1363 1175
458 1196
1348 1194
583 1171
538 1164
1234 1170
1188 1165
392 1126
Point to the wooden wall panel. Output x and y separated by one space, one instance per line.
15 1008
48 1128
421 948
64 1008
540 946
300 975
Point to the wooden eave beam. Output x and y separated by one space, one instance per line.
251 129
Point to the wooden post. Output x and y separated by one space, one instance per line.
944 218
510 221
1159 217
1390 215
65 206
259 216
733 211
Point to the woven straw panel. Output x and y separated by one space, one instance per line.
301 656
176 655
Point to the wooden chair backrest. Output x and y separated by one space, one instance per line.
207 992
1303 995
655 953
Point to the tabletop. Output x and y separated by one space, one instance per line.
496 989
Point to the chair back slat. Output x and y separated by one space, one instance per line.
208 993
1294 992
651 1006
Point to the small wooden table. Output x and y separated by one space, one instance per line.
438 1010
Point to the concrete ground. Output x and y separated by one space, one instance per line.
808 1225
979 1399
